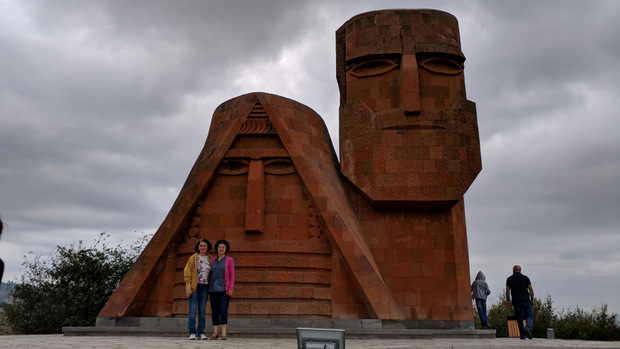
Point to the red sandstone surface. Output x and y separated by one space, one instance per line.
380 235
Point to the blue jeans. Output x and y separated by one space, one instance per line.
219 308
524 311
481 304
197 302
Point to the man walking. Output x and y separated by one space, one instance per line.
520 287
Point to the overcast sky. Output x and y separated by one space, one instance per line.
105 106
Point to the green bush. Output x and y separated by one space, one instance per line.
568 324
544 317
477 322
596 325
498 315
68 287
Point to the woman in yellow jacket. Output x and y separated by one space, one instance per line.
196 275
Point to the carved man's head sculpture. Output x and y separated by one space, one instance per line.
408 135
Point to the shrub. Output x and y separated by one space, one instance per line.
498 315
544 317
69 286
596 325
477 322
568 324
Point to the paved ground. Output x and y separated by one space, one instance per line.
79 342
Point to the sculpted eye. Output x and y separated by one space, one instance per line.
442 65
279 166
373 67
233 167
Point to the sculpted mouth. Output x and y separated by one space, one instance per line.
415 127
399 120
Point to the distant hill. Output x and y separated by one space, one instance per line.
5 288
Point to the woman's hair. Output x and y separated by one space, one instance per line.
209 247
224 242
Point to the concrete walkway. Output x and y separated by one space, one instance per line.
107 342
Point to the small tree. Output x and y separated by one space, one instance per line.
543 316
596 325
477 321
70 286
498 316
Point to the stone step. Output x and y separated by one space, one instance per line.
280 328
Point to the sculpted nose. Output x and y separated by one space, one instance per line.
409 85
255 200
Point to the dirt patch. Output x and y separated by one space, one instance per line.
5 329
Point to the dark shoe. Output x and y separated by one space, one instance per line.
528 333
213 337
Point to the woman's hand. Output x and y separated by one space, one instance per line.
229 292
188 290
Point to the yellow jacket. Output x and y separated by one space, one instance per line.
190 273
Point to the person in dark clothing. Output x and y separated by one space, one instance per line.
520 288
479 291
1 262
221 287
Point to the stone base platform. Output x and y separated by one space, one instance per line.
285 328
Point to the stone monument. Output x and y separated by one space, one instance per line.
380 235
409 149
